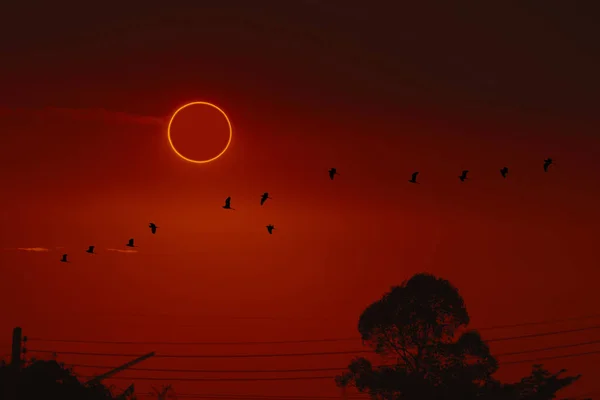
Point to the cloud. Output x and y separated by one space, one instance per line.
123 250
86 114
34 249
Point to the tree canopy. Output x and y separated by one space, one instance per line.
420 330
47 379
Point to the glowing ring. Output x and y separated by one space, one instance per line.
189 159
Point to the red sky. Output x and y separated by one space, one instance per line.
84 159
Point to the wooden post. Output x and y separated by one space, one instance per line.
15 361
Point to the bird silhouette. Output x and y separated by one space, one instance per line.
130 243
547 163
264 198
504 171
64 258
332 172
91 250
463 175
270 228
153 227
413 178
227 205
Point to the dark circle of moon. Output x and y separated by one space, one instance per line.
206 104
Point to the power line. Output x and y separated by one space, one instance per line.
289 397
300 378
544 322
560 346
291 378
257 397
225 371
265 355
532 335
266 397
551 358
195 343
564 346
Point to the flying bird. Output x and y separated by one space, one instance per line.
130 243
504 171
153 227
227 205
91 250
463 176
264 198
413 178
332 173
547 163
64 258
270 228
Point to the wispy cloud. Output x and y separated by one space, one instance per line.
33 249
123 250
86 114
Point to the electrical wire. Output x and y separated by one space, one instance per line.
542 322
268 397
341 339
532 335
587 353
228 371
196 343
301 378
264 355
269 355
193 396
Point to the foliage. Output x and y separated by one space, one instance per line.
414 330
43 379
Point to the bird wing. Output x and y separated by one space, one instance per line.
153 229
414 175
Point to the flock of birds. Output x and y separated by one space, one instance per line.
463 176
265 196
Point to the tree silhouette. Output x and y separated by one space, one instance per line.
414 329
43 379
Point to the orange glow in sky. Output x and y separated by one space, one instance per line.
199 132
377 92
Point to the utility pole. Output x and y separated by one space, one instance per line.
15 361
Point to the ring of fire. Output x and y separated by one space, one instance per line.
206 104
